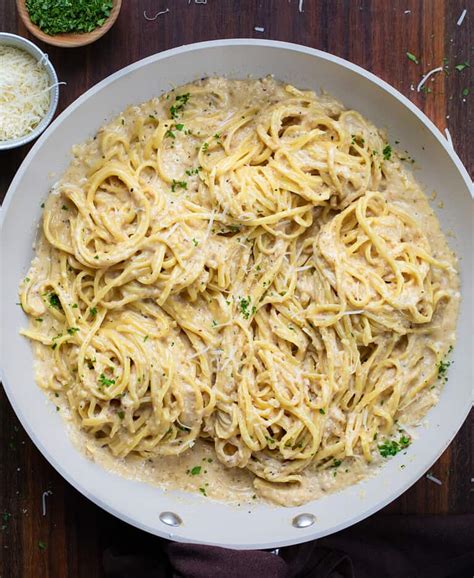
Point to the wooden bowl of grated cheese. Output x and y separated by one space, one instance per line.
29 91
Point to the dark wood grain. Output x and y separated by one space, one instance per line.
372 33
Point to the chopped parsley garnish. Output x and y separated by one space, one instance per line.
336 463
387 152
75 306
145 338
54 301
64 208
121 414
195 243
39 319
72 330
244 307
203 491
195 471
191 172
321 411
93 311
170 134
412 57
59 16
104 381
443 367
178 184
392 447
179 126
179 103
54 345
205 147
462 66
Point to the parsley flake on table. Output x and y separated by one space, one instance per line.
462 66
6 518
412 57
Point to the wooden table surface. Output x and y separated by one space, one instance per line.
376 34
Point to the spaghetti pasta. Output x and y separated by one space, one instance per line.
229 263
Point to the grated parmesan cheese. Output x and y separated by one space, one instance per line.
461 18
426 76
24 93
434 479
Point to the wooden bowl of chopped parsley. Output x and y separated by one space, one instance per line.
68 23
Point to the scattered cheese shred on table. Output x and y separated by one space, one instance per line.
461 18
24 92
434 479
426 76
43 500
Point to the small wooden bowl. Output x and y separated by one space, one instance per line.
68 40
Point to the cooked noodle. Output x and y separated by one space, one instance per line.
226 263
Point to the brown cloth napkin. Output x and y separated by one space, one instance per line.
383 546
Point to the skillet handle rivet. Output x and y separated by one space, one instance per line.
170 519
303 520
